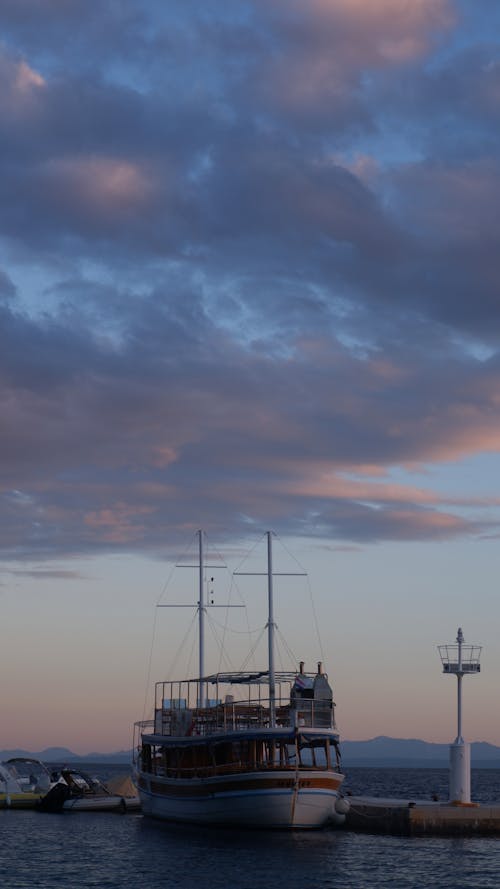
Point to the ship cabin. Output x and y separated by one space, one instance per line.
241 727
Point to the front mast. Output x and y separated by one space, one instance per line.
201 623
270 631
201 606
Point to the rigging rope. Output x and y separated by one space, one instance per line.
153 635
181 645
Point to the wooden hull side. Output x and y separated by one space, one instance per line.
252 799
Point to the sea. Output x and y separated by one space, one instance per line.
102 850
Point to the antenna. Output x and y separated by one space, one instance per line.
460 660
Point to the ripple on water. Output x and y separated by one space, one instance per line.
110 851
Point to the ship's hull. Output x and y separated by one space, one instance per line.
20 800
300 800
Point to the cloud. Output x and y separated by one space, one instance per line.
118 524
22 91
249 268
48 574
107 445
7 288
102 190
323 48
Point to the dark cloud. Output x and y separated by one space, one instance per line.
108 444
7 289
246 251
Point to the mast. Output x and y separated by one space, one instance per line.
270 631
271 626
201 607
201 621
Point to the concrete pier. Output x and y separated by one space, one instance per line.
422 817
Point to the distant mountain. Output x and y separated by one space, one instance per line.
377 752
411 752
62 755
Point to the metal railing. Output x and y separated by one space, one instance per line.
238 716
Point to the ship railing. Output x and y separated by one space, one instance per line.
185 694
237 716
212 720
178 709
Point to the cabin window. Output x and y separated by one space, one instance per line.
146 758
223 753
320 755
244 752
306 756
314 754
173 762
271 755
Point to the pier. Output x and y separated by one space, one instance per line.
422 817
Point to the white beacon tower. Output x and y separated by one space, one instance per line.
460 660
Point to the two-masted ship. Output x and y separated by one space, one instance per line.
250 749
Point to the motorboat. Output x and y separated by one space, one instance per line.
253 749
77 791
24 782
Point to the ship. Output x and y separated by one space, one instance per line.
248 749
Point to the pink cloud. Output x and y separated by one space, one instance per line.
22 87
330 42
439 521
404 29
27 79
163 455
334 485
101 184
328 484
117 524
365 167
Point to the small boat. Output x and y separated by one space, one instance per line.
76 791
262 751
23 783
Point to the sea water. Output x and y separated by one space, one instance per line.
112 851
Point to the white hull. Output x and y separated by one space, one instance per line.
255 799
23 783
101 804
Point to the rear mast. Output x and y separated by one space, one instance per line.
271 625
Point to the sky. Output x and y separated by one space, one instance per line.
249 280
